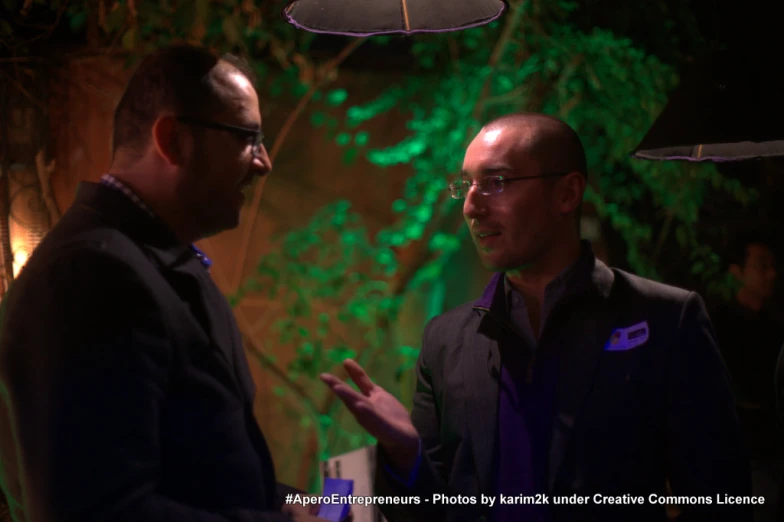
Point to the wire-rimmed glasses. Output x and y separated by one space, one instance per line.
488 185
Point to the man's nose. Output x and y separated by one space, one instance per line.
475 204
263 161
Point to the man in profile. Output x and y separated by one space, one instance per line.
565 378
126 394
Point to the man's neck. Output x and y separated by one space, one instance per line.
155 196
532 280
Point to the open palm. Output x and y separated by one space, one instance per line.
375 409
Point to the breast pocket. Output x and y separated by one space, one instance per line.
622 384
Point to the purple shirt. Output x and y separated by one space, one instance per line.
526 405
525 408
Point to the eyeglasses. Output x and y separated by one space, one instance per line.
253 137
491 184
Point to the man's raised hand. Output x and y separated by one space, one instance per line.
380 413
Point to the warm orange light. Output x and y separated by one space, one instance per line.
20 258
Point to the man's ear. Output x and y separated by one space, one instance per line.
736 271
570 192
165 139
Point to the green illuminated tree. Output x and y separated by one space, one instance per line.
604 86
339 290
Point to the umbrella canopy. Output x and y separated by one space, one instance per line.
727 108
374 17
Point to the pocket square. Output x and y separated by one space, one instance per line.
627 338
341 487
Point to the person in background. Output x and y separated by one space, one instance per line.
126 393
750 338
566 378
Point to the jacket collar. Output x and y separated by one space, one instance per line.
115 209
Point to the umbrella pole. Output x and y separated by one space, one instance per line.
405 15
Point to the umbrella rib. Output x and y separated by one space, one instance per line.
405 14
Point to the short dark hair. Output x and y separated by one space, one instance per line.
180 78
555 144
738 250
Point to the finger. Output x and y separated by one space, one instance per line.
329 379
357 404
348 395
359 376
341 388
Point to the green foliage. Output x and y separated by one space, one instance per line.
337 97
607 89
335 286
339 289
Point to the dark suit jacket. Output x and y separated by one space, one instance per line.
126 393
625 422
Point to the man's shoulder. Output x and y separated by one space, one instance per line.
74 236
446 329
92 256
634 287
457 315
650 290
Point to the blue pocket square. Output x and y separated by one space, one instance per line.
627 338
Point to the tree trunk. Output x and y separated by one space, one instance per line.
6 257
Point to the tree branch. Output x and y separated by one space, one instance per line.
512 21
508 97
24 91
447 216
268 363
48 29
44 172
5 169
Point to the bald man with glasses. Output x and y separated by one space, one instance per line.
565 379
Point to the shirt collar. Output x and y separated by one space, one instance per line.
587 274
205 261
557 287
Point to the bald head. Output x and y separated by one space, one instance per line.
549 141
524 176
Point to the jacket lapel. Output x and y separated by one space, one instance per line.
481 368
178 266
593 307
234 345
588 327
482 374
212 313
